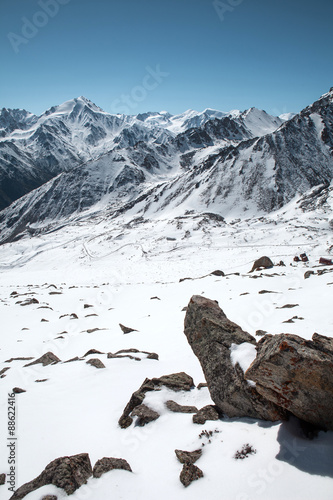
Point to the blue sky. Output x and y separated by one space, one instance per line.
135 56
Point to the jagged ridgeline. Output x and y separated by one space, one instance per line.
75 157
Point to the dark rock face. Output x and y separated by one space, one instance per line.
210 334
188 457
297 375
68 473
208 412
176 382
47 359
189 474
177 408
263 262
145 415
107 464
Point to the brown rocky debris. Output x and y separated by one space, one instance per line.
126 329
107 464
18 390
145 415
97 363
208 412
297 375
210 334
2 479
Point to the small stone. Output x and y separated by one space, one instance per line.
18 390
50 497
202 385
189 474
126 329
2 479
97 363
92 351
177 408
152 355
188 457
107 464
208 412
145 415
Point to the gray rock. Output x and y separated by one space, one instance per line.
97 363
177 408
263 262
188 457
47 359
145 415
208 412
189 474
107 464
176 382
50 497
297 375
68 473
210 334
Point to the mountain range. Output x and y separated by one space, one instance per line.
75 158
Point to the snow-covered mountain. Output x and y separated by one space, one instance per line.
228 163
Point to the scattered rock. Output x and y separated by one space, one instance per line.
217 273
202 385
47 359
307 274
126 329
210 334
86 306
73 359
50 497
262 263
92 351
28 302
189 474
153 355
177 408
144 414
55 293
288 306
208 412
97 363
262 292
3 371
68 473
43 320
42 380
260 333
188 457
73 316
17 359
176 382
297 375
2 479
155 298
107 464
18 390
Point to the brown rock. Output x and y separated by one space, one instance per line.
2 479
210 334
97 363
263 262
47 359
177 408
107 464
126 329
297 374
208 412
189 474
145 415
50 497
68 473
188 457
18 390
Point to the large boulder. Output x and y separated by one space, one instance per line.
262 263
68 473
296 374
210 334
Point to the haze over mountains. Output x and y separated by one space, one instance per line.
76 157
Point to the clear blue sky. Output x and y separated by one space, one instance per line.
276 55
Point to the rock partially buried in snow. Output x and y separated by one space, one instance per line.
297 374
68 473
262 263
107 464
145 415
211 334
188 457
47 359
177 408
189 474
126 329
208 412
97 363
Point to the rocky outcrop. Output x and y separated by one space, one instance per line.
176 382
210 334
107 464
68 473
297 375
47 359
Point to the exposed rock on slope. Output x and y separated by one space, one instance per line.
296 374
210 334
